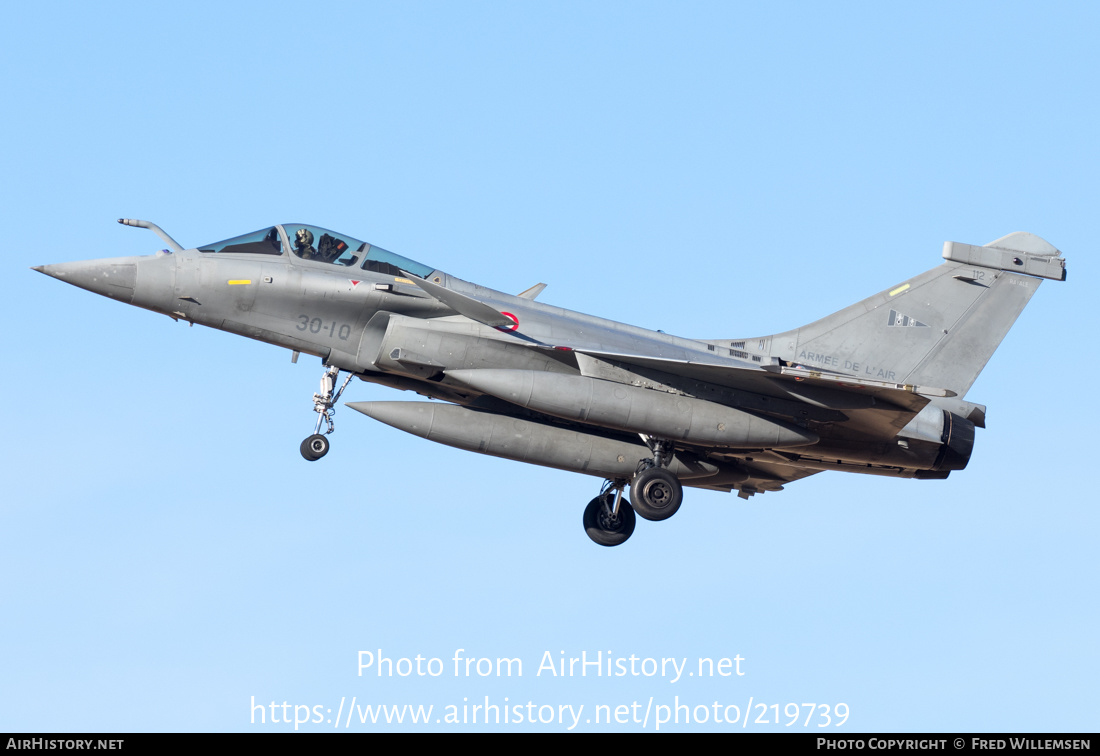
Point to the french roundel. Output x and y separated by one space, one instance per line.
513 318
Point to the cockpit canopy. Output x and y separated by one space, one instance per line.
265 242
319 245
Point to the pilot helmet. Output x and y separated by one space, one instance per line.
303 237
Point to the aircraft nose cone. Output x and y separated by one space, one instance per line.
111 278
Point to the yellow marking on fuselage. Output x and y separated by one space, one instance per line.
239 281
899 290
402 280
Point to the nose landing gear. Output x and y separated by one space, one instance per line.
317 445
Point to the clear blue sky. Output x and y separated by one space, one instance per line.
709 169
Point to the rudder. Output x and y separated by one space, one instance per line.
937 329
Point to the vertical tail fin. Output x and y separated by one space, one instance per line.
937 329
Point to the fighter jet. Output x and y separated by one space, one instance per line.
876 388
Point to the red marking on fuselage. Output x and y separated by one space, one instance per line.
513 318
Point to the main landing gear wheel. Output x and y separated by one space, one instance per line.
315 447
656 494
605 528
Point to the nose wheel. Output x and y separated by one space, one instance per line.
317 445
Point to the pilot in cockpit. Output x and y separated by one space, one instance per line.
303 244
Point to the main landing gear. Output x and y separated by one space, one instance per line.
317 445
655 493
608 519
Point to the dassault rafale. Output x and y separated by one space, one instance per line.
875 388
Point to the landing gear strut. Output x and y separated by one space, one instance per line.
608 519
655 492
317 445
